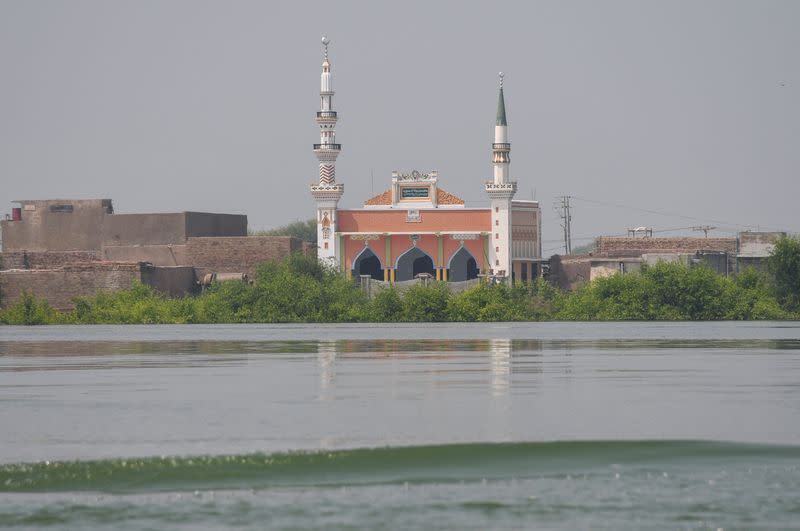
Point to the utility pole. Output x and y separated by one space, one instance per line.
566 224
704 228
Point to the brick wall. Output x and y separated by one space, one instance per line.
57 225
160 255
621 246
173 281
237 254
60 286
569 272
45 259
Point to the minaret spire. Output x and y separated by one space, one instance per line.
501 190
326 191
327 150
501 105
501 148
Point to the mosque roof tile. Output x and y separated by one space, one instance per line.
381 199
446 198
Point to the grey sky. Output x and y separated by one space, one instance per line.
689 108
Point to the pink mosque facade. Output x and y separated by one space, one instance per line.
416 228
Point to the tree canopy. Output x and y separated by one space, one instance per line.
784 267
303 230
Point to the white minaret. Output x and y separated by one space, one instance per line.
326 192
501 190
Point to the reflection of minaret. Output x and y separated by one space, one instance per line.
326 192
326 357
499 426
500 191
500 350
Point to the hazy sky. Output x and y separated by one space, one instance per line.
682 108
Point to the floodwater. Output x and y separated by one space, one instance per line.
468 426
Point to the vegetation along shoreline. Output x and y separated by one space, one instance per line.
300 289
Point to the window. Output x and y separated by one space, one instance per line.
497 209
497 262
326 245
497 222
496 235
497 249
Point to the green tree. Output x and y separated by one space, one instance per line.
748 296
784 266
303 230
386 306
426 303
29 310
490 302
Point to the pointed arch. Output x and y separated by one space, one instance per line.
462 266
366 262
413 262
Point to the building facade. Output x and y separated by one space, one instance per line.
416 228
59 249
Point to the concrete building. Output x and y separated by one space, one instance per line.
615 254
415 228
755 248
61 249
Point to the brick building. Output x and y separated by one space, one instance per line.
60 249
616 254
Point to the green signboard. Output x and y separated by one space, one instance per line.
414 193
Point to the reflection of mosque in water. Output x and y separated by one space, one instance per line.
504 356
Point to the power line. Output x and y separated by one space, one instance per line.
667 214
704 228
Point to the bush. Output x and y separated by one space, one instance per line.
426 303
386 306
300 289
490 302
140 304
29 310
784 266
671 291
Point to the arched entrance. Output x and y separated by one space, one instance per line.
413 262
367 263
462 266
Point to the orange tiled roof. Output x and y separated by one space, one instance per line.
446 198
442 198
381 199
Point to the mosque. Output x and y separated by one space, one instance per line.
416 227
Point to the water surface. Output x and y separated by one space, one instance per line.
679 425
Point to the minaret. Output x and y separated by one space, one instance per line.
326 191
501 190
